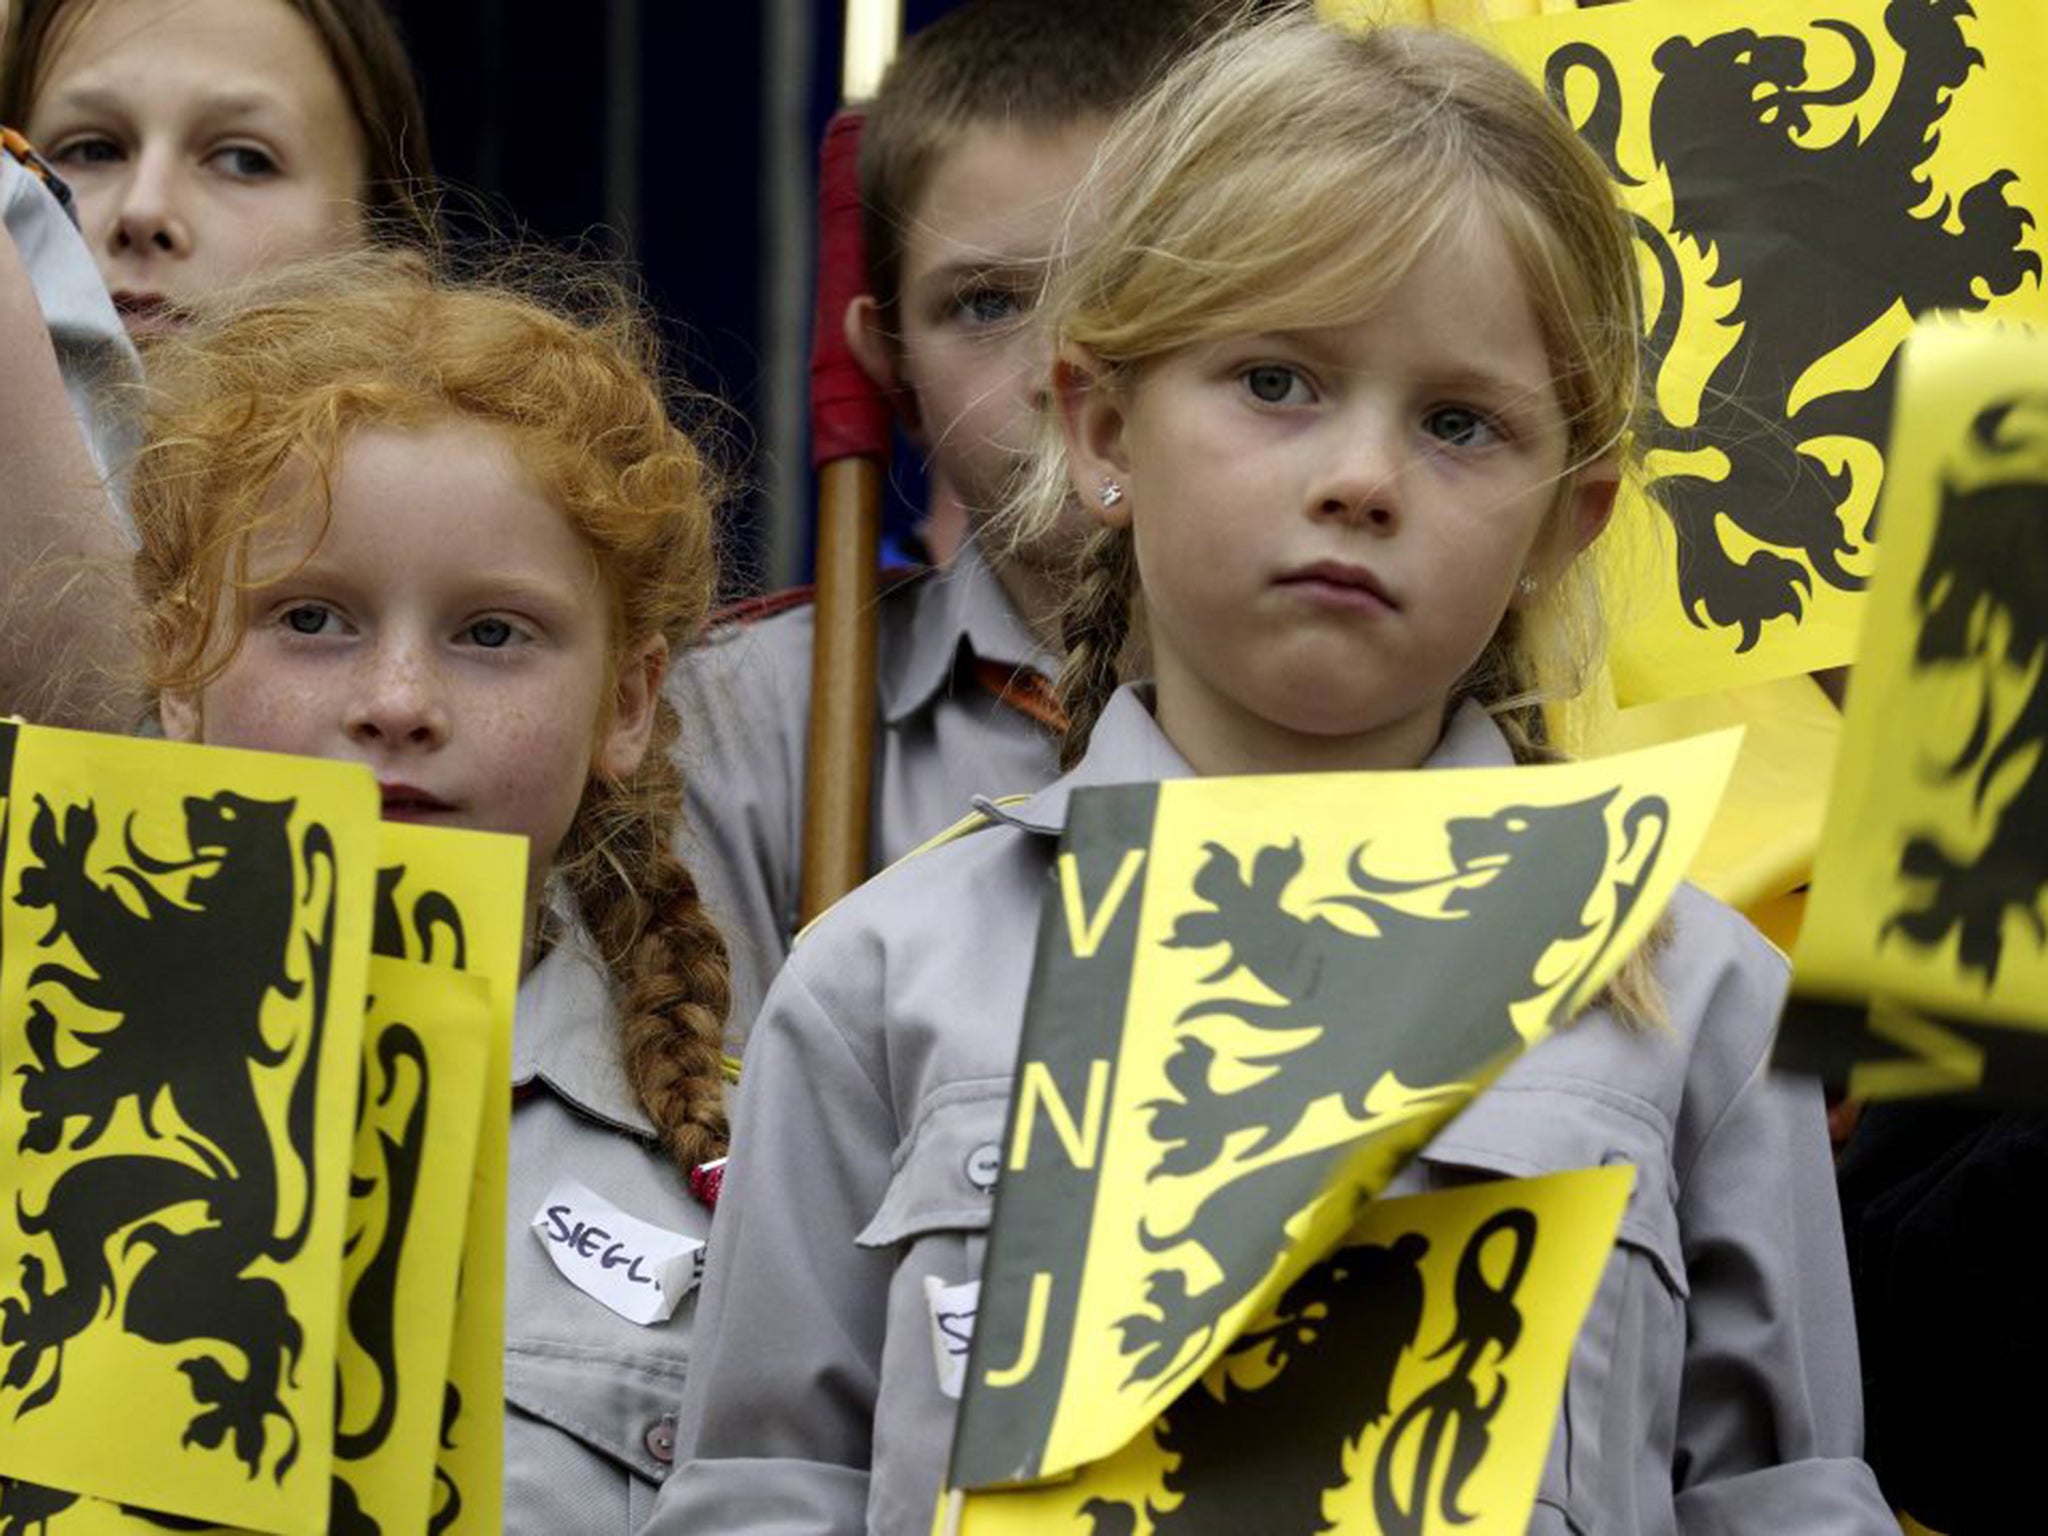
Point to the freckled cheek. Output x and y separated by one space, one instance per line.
267 715
538 764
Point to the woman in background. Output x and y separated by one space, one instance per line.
212 141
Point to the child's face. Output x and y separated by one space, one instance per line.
973 258
1331 523
207 141
450 632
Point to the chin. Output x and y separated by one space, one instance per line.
1324 713
1331 724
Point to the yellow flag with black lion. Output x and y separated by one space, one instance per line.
1253 1000
252 1152
1923 968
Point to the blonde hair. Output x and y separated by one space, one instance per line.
1287 176
278 383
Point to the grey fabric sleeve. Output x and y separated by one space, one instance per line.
776 1421
1770 1415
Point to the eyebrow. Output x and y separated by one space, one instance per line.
510 591
953 273
483 588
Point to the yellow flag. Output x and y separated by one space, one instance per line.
1923 966
1408 1382
1804 180
184 936
1253 999
419 1422
1763 839
458 899
427 1041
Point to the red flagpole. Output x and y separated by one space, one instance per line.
850 449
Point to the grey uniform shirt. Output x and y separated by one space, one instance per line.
94 355
942 738
589 1397
1713 1388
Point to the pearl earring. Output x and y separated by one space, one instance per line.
1526 586
1111 492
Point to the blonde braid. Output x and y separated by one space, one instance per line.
1095 627
666 958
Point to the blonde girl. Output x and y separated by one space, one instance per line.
449 531
1345 372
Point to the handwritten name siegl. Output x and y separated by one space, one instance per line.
590 1241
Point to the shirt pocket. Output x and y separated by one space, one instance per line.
590 1434
1617 1429
946 1168
934 1216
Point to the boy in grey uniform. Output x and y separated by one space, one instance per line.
981 130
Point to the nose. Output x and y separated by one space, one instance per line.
148 219
1359 473
398 702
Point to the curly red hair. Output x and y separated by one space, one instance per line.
571 381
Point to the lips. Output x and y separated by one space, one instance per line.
407 802
147 314
1341 584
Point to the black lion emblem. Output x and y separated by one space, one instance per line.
1983 602
371 1302
1264 1458
1518 884
1818 243
195 1049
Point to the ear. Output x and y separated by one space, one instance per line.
874 349
1590 503
623 742
179 714
1092 413
1588 507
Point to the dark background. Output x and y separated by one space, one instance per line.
681 134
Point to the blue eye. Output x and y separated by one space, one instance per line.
91 149
1275 384
1460 426
491 634
307 619
988 306
244 162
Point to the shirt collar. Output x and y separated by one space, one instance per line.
962 605
1127 747
565 1034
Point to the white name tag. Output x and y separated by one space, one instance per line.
639 1270
952 1308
